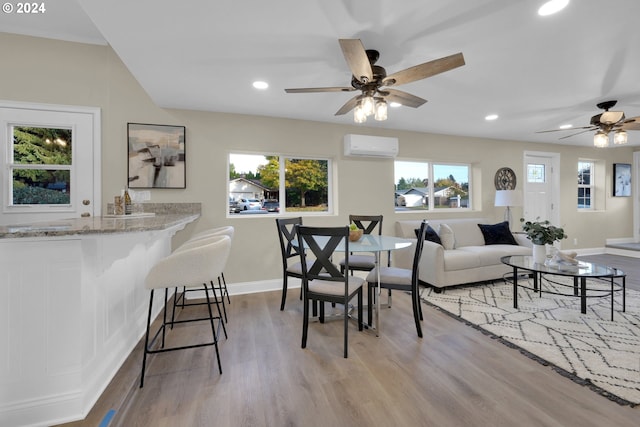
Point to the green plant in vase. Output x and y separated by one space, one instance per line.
542 232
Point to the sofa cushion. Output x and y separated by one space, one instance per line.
491 254
431 235
461 260
446 236
466 233
497 234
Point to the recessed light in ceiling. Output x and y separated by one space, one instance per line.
552 6
491 117
395 104
260 84
567 126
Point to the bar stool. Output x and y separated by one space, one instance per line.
188 267
222 283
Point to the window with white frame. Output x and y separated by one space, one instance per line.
586 184
430 186
272 184
40 166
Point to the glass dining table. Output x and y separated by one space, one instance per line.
376 244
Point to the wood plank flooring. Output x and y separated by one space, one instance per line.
454 376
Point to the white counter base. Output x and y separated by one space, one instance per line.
72 309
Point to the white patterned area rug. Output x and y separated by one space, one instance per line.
588 348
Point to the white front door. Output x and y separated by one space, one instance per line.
540 184
32 171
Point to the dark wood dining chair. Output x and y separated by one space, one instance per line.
323 281
401 279
291 262
369 224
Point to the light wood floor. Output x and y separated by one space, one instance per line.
454 376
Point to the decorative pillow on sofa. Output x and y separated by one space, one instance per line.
446 236
431 235
497 234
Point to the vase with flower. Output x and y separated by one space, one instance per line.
541 234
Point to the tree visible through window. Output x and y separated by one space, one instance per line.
297 185
41 162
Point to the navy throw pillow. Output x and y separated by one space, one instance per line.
497 234
430 235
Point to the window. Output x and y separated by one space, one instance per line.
261 183
585 184
40 165
535 173
431 186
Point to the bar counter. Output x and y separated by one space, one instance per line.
74 306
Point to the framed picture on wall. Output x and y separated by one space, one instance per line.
621 179
156 156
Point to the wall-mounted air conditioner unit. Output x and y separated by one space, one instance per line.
370 146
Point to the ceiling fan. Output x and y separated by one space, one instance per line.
373 82
605 123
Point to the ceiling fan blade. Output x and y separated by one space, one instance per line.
319 89
349 105
632 123
571 128
579 133
425 70
403 98
356 57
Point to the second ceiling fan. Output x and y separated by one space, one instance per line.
373 82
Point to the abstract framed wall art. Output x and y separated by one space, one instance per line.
621 179
156 156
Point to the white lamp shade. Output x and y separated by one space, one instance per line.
508 198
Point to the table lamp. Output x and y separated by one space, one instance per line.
508 198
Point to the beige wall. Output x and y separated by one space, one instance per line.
46 71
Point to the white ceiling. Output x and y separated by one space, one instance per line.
535 72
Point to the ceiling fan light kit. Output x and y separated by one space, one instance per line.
601 139
372 81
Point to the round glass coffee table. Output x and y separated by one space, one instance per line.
590 280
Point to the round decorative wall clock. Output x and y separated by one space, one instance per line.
505 179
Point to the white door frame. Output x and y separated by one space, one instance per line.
95 114
554 203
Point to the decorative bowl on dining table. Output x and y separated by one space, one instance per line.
355 235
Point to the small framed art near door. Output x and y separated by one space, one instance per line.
156 156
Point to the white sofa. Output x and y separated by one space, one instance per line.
469 261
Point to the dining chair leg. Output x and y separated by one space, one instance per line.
305 322
346 327
360 326
224 308
284 292
215 298
416 312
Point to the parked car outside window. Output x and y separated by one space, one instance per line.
271 205
249 204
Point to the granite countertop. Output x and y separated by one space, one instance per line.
166 216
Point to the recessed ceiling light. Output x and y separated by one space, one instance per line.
260 84
491 117
395 104
552 6
567 126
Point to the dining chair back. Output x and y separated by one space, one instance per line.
370 224
322 280
291 263
393 278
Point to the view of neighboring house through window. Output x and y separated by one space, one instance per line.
429 186
585 184
275 184
40 163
